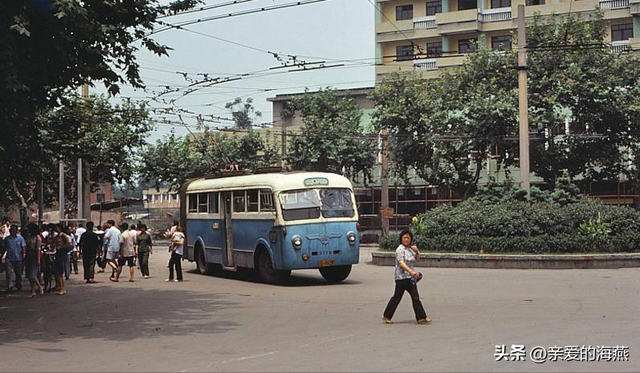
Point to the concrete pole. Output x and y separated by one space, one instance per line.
80 194
84 178
523 105
384 182
61 190
40 201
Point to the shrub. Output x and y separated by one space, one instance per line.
513 226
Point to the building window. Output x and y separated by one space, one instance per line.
434 7
404 52
621 32
535 2
404 12
100 197
434 49
501 43
467 4
500 4
466 45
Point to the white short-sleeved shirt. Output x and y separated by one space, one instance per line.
409 257
113 238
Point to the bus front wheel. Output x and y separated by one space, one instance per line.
266 271
335 274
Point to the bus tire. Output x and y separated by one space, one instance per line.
266 271
203 267
335 274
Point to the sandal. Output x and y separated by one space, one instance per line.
62 292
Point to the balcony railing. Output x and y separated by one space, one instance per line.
427 64
424 23
620 46
497 15
614 4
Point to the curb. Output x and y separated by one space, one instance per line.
575 261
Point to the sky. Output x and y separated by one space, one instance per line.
338 32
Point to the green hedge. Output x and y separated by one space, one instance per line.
521 227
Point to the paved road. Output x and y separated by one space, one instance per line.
236 324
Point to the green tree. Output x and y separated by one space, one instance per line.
331 139
48 48
574 76
106 136
445 128
242 113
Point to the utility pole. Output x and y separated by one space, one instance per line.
384 208
523 105
61 190
84 183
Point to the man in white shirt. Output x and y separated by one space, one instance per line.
112 239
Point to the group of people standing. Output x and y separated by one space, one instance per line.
55 249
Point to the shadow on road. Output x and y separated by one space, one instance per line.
112 313
298 278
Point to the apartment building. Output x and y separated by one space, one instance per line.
444 31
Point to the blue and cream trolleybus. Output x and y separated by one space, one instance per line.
273 222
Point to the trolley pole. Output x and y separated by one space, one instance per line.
523 105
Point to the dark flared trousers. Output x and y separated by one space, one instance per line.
89 264
411 288
176 261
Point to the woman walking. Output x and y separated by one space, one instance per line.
177 249
145 247
406 280
32 259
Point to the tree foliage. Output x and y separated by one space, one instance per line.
242 113
331 139
173 160
106 136
48 48
445 128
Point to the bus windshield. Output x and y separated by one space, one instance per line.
310 203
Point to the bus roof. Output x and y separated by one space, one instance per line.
274 181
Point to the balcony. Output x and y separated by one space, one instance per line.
500 14
424 23
462 21
613 4
620 46
427 64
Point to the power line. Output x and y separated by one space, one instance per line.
204 8
240 13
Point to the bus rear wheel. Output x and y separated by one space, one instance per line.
335 274
266 271
203 267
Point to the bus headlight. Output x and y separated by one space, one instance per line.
297 242
351 237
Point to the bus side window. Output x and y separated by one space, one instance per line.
238 201
252 200
203 203
266 200
213 203
193 203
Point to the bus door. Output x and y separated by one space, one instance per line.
227 252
